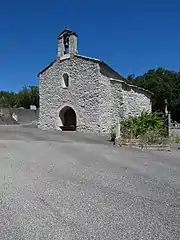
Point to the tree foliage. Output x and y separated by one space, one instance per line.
24 98
165 85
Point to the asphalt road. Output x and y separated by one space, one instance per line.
79 186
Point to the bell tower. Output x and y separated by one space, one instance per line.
67 43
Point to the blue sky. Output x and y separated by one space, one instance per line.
131 36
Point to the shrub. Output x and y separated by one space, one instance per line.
147 126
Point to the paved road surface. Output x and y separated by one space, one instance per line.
79 186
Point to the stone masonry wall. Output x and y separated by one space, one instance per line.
22 116
97 100
117 102
111 99
105 104
82 94
135 101
175 132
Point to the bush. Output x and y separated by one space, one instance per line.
148 127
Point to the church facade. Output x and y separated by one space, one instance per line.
85 94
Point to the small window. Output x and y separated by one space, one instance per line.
65 82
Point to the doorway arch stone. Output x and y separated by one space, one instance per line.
68 118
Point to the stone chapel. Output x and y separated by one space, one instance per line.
85 94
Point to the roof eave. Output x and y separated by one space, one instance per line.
48 66
133 86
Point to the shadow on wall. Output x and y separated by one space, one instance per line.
11 116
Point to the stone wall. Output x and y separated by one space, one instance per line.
110 98
105 104
174 131
82 94
135 100
21 116
117 102
97 100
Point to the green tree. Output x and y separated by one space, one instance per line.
28 96
8 99
34 93
24 98
165 85
131 78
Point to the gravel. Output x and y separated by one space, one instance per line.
78 186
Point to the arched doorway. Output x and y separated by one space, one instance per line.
68 119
